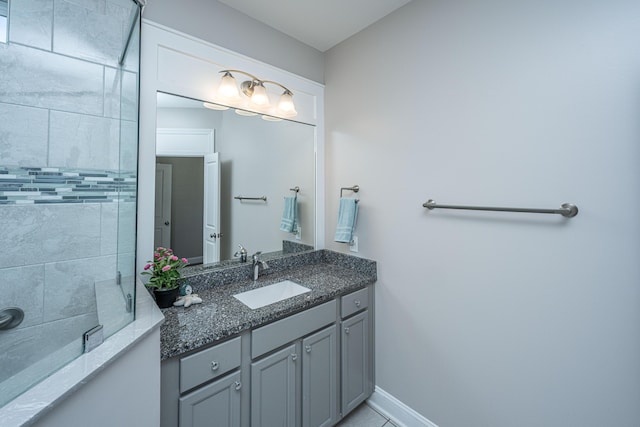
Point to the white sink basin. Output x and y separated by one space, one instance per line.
266 295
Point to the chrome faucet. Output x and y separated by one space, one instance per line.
256 265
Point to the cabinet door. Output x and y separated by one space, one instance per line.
273 389
214 405
355 361
319 379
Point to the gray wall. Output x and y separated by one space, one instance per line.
219 24
493 319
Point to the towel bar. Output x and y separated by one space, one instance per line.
263 198
567 210
296 189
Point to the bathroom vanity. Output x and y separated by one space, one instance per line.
303 361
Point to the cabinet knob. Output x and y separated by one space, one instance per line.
294 356
307 348
167 223
238 385
214 366
346 330
357 302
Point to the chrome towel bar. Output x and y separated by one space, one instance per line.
567 210
263 198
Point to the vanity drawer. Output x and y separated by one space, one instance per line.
208 364
354 302
291 328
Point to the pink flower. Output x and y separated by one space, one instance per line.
186 261
166 268
174 258
148 266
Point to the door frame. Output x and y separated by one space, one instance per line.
188 142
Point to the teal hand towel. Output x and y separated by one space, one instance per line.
347 214
289 220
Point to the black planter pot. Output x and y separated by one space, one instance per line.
166 297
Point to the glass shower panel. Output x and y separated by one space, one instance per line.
68 181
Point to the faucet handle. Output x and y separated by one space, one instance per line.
256 256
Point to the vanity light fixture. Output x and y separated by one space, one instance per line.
257 93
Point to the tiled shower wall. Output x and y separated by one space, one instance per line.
68 159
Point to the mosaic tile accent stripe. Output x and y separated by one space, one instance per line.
21 185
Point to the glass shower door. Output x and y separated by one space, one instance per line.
68 181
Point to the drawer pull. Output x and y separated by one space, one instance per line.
357 302
294 356
214 366
238 385
346 331
308 348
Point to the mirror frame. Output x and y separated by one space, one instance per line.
176 63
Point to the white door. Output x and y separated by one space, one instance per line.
162 235
211 214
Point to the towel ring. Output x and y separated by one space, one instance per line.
355 189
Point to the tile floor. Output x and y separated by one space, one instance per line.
365 416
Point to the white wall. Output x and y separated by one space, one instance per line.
497 319
125 393
218 23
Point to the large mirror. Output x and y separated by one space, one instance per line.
223 178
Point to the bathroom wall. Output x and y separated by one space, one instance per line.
497 319
68 151
218 23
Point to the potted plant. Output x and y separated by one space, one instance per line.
165 272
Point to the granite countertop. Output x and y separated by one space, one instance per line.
328 274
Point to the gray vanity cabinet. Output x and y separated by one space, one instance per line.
298 384
203 388
319 379
309 365
273 389
356 342
309 369
214 405
355 361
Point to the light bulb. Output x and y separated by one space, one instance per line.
285 105
259 97
228 88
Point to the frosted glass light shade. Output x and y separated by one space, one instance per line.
259 97
228 88
285 105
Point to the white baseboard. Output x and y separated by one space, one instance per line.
399 413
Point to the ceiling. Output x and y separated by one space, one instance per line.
321 24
